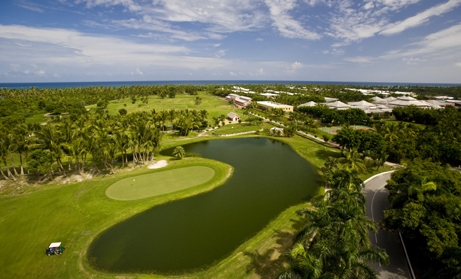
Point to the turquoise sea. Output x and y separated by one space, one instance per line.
42 85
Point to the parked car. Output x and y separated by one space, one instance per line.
55 248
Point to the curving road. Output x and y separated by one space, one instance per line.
376 203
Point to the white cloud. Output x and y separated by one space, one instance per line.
221 53
259 39
413 61
352 23
395 4
222 15
41 73
458 64
359 59
92 46
32 8
296 65
128 4
420 18
438 43
52 48
149 23
138 71
261 71
285 24
232 74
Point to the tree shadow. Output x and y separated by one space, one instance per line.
325 153
272 262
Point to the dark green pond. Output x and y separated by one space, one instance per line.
198 231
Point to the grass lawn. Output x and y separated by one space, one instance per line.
37 118
236 128
75 214
211 103
334 130
159 183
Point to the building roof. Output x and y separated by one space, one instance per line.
338 105
378 100
232 115
272 104
329 100
408 101
308 104
362 104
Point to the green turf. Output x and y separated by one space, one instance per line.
236 128
159 183
334 130
213 104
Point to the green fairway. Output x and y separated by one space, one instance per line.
236 128
159 183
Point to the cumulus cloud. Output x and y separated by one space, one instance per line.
296 65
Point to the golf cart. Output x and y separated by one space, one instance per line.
55 248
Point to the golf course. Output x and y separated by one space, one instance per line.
226 210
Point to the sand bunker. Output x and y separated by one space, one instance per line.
158 164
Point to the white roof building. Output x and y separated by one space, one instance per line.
338 105
407 101
272 105
363 105
269 95
308 104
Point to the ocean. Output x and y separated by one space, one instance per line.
43 85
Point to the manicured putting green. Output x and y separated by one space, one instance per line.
159 183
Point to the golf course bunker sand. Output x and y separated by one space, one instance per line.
159 183
158 164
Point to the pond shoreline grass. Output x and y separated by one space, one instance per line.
77 213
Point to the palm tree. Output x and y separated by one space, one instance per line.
179 152
49 137
21 140
352 161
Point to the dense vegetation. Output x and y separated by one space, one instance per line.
425 196
334 241
425 200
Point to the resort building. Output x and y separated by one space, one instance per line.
274 105
232 116
337 105
369 108
239 101
407 101
269 95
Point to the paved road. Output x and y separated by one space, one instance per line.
376 196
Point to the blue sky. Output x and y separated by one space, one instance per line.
311 40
